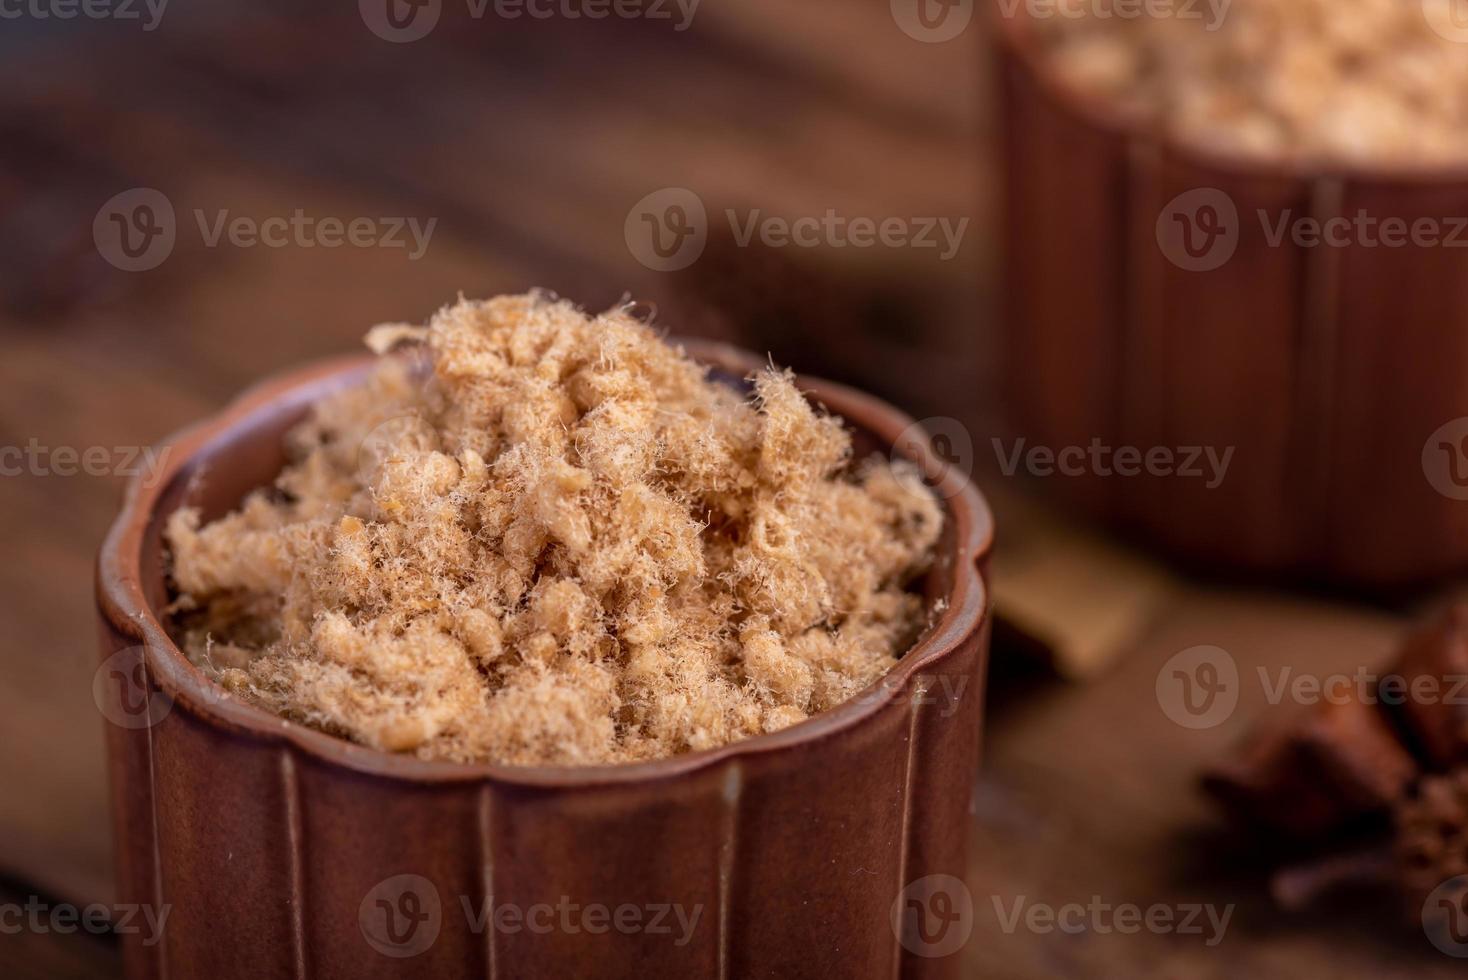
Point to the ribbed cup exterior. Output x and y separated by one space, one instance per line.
1328 368
280 851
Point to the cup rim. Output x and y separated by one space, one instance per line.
1017 39
123 603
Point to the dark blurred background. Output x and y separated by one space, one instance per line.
543 150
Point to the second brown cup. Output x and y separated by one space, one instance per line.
1151 303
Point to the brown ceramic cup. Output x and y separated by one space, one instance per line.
1151 302
833 848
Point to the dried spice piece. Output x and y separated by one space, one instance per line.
1316 771
1432 835
1299 886
1322 80
1312 772
537 537
1426 860
1434 664
1318 774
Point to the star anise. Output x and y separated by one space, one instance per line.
1433 688
1315 772
1432 835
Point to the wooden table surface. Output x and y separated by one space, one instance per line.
529 142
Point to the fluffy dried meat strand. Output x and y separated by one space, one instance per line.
537 537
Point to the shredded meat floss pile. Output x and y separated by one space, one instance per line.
1320 81
537 537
